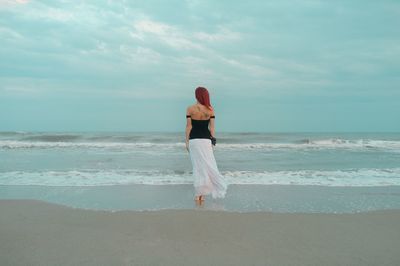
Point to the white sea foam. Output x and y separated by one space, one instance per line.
10 144
364 144
321 144
91 177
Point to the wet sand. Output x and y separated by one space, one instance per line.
39 233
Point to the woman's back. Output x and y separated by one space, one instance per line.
200 119
200 112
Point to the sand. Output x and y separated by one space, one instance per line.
38 233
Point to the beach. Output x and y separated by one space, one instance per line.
34 232
127 199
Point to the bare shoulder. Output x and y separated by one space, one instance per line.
212 112
189 109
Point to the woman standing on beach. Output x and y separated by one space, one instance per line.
200 136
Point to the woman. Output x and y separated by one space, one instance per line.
200 129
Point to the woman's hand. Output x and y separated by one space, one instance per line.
213 140
187 145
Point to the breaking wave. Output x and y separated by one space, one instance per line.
365 144
92 177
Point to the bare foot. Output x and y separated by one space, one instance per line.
199 200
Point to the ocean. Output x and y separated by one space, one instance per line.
90 159
99 159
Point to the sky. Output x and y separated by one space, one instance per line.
270 66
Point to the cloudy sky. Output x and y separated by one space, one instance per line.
134 65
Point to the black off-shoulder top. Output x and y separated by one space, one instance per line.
200 128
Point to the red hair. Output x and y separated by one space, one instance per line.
203 97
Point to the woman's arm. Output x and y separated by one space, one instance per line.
212 125
188 127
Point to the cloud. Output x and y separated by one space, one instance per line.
9 33
13 2
141 55
258 46
167 34
223 34
148 26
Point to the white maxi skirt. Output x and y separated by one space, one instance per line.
207 178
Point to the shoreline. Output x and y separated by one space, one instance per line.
39 233
239 198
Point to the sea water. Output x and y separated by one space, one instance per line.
90 159
99 159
